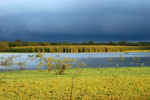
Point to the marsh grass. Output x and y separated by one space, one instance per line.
21 65
78 49
2 79
5 61
92 84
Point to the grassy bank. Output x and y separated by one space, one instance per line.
92 84
77 49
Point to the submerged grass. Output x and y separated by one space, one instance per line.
127 83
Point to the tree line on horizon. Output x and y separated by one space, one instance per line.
19 42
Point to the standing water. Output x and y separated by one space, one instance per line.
131 59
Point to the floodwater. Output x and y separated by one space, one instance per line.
131 59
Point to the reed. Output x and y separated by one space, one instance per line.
77 49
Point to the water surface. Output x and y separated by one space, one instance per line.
132 59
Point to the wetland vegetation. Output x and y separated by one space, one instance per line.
66 78
125 83
68 47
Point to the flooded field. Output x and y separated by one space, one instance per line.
131 59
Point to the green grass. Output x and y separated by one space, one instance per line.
86 72
103 72
126 83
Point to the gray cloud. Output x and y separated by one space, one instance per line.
74 17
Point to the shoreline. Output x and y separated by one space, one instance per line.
81 52
71 69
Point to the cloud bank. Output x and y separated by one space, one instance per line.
48 20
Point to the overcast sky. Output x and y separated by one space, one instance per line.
75 20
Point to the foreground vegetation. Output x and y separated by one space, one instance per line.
130 83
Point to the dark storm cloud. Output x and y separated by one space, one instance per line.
75 20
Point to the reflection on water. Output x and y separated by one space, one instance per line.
91 59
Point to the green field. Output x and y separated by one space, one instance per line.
92 84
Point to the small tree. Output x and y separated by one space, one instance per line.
58 65
20 65
4 46
6 61
18 40
78 69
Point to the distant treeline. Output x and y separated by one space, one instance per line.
19 42
91 46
